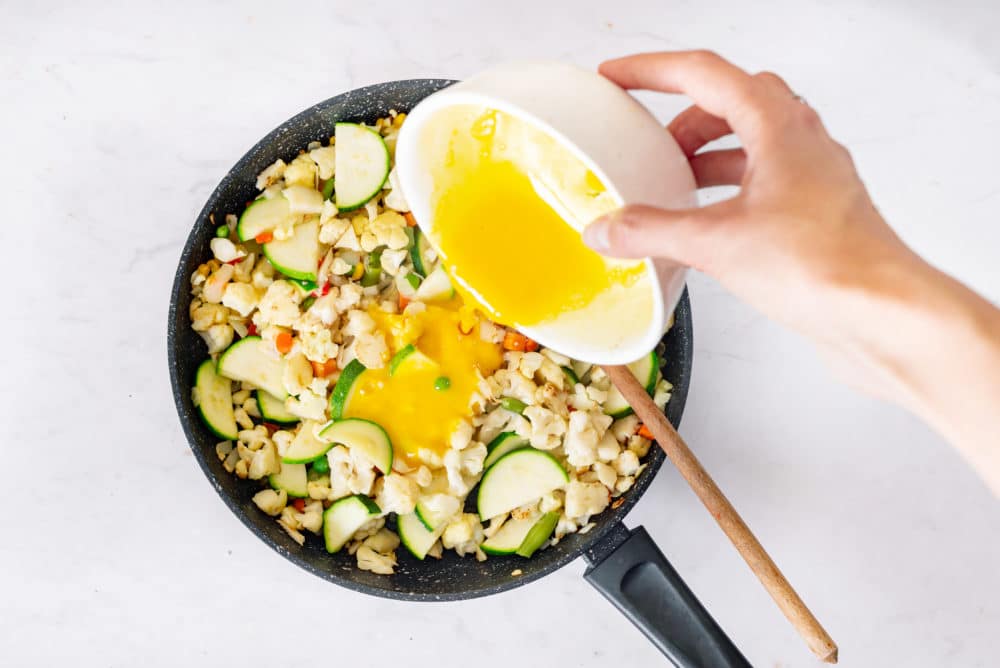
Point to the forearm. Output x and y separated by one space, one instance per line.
936 346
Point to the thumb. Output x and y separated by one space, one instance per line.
639 231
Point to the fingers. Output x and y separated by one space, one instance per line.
719 168
694 127
640 231
715 84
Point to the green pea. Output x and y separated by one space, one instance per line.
321 465
222 231
513 405
442 383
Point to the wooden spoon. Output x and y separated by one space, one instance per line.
729 520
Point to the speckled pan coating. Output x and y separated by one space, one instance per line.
451 578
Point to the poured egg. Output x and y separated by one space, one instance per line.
427 388
508 204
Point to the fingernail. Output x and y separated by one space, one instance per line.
595 235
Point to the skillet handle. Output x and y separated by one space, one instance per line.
630 571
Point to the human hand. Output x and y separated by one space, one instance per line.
803 243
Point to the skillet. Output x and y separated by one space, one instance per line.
624 565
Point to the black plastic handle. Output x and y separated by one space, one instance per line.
629 569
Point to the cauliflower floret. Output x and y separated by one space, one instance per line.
557 358
607 447
348 240
462 435
529 363
215 285
311 518
547 428
303 199
298 374
606 475
398 494
392 260
581 440
358 322
383 541
463 468
263 274
627 463
370 560
371 349
204 316
241 297
279 306
225 250
332 230
389 229
551 501
463 534
584 499
301 171
394 199
217 337
265 461
624 427
662 394
639 445
270 501
340 266
421 475
307 405
349 297
362 476
282 440
271 174
325 159
318 346
242 270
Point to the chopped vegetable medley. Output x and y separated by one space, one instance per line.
374 407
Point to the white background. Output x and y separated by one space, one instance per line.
118 121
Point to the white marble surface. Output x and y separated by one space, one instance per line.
120 118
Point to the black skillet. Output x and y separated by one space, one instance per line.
624 565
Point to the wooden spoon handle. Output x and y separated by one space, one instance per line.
732 524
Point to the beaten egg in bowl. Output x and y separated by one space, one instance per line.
507 207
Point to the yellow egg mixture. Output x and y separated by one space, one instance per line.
416 414
508 205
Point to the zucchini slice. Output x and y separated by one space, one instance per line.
645 370
522 537
342 390
342 519
249 360
435 288
297 257
361 164
409 359
305 447
517 478
273 410
506 442
293 479
215 401
420 250
417 538
263 215
366 436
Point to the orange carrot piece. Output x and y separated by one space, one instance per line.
645 432
514 340
299 505
530 346
264 237
324 369
283 342
410 220
403 302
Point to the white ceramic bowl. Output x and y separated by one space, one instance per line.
608 130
